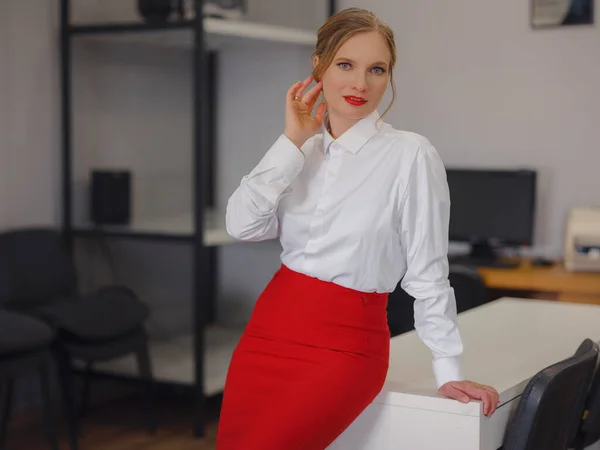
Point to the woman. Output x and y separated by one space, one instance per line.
357 206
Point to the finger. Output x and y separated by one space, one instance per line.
495 396
452 392
311 96
474 391
488 403
292 90
495 402
479 394
486 398
300 89
320 112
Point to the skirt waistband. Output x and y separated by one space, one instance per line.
314 284
296 308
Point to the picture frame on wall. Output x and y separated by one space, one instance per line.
558 13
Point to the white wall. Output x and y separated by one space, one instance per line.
29 114
490 91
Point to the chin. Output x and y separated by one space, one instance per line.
345 111
353 113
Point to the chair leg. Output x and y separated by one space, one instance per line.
65 375
85 398
47 407
145 370
5 411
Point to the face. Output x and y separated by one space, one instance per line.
356 80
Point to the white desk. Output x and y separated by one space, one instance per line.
506 343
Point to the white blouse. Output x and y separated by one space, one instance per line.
365 211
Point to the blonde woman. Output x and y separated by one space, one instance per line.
357 206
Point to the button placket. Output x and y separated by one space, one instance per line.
317 221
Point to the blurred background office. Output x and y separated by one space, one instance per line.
512 109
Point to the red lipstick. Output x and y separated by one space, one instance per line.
355 101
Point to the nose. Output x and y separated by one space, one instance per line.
360 82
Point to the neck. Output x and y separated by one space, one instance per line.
338 125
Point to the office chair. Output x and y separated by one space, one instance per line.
38 278
588 431
549 409
25 348
400 312
469 289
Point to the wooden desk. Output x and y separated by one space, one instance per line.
506 342
552 283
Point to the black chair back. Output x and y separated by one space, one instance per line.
35 269
400 312
589 425
469 289
549 409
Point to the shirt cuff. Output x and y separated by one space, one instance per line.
447 369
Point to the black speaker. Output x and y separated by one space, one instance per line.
158 10
110 197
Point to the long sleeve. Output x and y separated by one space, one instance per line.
251 213
424 238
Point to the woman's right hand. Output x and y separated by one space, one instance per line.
300 124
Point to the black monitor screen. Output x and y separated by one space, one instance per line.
492 205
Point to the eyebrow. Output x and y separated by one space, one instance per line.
378 63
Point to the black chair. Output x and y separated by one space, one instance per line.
549 409
400 312
588 431
25 348
38 278
469 288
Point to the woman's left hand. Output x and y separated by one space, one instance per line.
463 391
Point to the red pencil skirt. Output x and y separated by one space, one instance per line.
313 356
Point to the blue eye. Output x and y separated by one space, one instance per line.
344 65
379 70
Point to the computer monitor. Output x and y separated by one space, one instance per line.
491 209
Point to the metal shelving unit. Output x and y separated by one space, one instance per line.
201 359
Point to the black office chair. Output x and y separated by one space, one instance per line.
37 277
400 312
25 348
469 289
549 409
588 431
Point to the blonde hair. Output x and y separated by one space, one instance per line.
342 26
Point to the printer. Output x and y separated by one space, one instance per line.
582 240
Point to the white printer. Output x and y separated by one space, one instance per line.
582 240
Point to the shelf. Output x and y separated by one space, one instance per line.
173 360
128 27
165 228
219 32
259 31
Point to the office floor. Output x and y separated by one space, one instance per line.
118 425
